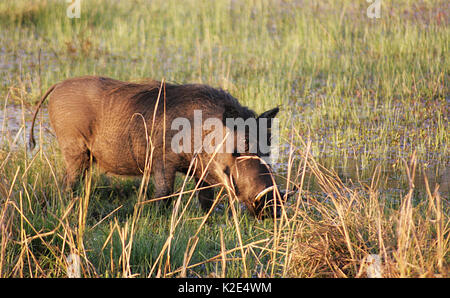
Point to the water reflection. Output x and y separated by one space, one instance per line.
15 122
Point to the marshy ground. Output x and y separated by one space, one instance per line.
364 137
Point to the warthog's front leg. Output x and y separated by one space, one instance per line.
164 180
206 196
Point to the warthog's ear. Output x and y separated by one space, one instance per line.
270 113
265 143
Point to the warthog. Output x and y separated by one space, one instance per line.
124 127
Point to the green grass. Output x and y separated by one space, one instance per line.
362 97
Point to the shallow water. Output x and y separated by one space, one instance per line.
391 176
15 123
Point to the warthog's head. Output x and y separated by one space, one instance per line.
231 146
253 183
242 164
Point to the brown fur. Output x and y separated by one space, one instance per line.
112 121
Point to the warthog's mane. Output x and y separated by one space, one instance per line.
202 97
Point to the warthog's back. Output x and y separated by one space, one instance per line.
113 119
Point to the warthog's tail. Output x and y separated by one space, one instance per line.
31 141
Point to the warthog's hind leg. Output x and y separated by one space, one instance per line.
77 160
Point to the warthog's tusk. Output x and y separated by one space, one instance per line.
263 192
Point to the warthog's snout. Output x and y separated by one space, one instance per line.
268 203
